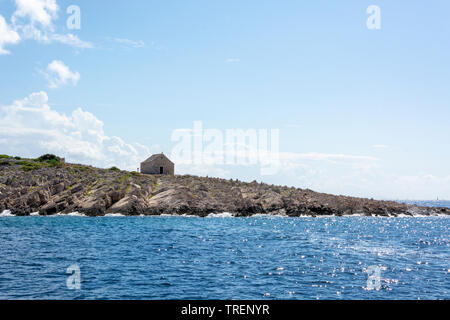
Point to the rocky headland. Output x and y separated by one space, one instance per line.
49 186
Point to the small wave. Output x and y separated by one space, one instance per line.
6 213
34 214
266 215
76 214
402 215
220 215
114 215
356 215
327 216
169 215
60 214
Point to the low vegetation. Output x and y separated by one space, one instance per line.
45 161
50 160
31 165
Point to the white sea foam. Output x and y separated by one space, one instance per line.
265 215
76 214
220 215
168 215
6 213
402 215
60 214
114 215
326 216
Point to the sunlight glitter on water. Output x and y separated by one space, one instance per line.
179 258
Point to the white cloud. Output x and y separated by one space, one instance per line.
40 12
30 127
31 32
203 170
58 74
233 60
71 40
7 35
34 20
130 43
420 186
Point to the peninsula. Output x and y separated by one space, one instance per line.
49 185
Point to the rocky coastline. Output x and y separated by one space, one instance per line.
50 186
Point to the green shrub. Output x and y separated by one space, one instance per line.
4 156
39 163
18 158
48 157
114 169
50 160
54 163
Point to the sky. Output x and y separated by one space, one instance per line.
358 110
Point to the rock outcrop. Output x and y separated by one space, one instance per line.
27 186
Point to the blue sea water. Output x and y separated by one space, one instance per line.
225 258
429 203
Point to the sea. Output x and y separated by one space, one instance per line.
224 257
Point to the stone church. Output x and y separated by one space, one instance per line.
158 164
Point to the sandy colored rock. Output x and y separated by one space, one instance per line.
96 192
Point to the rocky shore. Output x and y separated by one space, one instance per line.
49 186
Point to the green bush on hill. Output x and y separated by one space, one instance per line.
50 160
46 160
47 157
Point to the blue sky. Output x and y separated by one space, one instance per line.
359 112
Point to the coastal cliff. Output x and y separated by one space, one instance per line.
49 186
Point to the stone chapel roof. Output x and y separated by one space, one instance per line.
157 156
